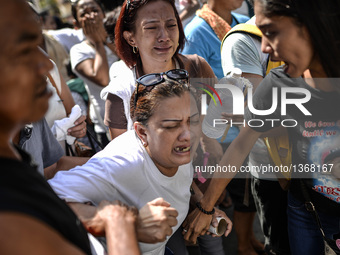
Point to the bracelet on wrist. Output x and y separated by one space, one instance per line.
199 206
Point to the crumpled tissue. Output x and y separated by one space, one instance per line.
60 127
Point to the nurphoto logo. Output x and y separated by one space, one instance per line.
239 96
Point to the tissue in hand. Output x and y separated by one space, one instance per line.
60 127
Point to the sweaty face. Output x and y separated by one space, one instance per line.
285 41
173 133
156 33
23 93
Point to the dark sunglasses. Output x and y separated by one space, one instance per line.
153 79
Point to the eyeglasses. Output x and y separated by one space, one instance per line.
153 79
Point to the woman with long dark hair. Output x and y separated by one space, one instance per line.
306 36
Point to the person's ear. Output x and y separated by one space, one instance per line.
140 130
128 36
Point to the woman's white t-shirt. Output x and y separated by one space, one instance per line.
125 171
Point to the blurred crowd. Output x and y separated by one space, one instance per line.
101 111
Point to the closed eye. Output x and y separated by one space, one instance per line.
171 125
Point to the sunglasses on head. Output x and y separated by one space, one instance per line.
153 79
129 4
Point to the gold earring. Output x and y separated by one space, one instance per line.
135 49
145 144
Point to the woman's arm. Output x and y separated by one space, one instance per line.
63 92
96 69
120 223
79 130
115 117
197 223
196 196
63 164
154 223
66 96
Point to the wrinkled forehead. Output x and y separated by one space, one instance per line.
174 105
156 7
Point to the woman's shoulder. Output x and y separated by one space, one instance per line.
123 145
122 81
188 59
277 77
119 69
82 47
278 74
123 152
80 52
196 66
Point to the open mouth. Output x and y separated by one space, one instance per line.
182 149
